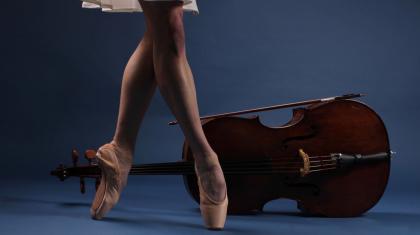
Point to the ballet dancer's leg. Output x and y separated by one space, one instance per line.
138 87
175 81
115 158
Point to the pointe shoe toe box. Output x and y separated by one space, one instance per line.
214 215
212 212
113 180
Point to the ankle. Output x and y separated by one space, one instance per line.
124 147
124 151
206 160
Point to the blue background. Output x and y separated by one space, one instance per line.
61 69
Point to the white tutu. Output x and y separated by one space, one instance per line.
131 5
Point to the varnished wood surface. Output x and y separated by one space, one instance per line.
343 126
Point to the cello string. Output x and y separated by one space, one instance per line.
320 164
279 159
285 160
226 171
330 164
265 171
272 162
324 166
331 168
275 164
235 168
275 167
227 167
297 158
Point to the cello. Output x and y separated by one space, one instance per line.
332 158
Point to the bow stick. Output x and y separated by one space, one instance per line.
280 106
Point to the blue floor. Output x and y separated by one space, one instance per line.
160 205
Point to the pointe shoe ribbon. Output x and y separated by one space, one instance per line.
114 174
213 212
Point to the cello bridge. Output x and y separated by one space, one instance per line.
306 163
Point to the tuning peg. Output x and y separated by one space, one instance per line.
82 185
62 172
74 156
97 182
90 155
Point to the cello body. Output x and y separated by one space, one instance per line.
343 126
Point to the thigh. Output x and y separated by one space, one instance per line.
158 9
164 18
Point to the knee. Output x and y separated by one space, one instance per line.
168 32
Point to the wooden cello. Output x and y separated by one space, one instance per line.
332 158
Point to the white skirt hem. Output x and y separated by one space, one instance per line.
131 6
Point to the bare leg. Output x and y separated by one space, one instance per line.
115 158
175 81
138 87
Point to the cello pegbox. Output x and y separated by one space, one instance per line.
74 156
90 155
61 172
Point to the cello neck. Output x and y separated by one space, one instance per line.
169 168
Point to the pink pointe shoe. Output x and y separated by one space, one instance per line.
212 212
115 165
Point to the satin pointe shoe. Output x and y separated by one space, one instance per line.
213 212
115 165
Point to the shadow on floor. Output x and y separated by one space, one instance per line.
189 219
